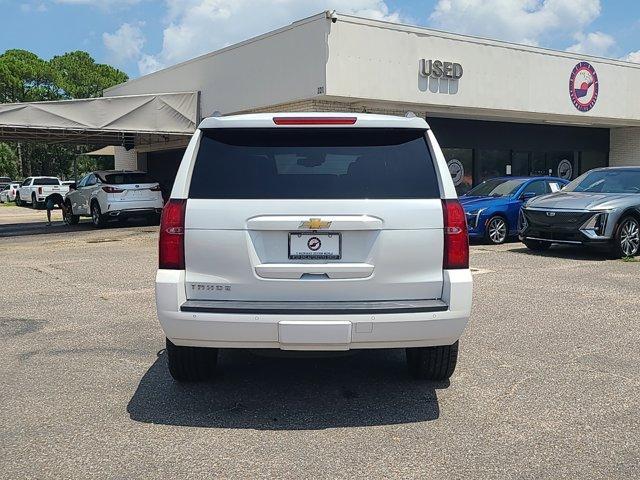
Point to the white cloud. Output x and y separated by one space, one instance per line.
33 7
632 57
200 26
126 43
148 64
522 21
594 43
105 4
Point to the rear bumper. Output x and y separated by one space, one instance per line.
134 208
306 326
133 212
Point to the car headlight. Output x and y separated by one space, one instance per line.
473 217
597 223
522 221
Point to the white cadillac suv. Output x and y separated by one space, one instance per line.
313 232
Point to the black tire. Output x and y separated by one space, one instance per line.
499 238
70 218
34 202
432 363
96 215
191 364
18 201
537 245
628 228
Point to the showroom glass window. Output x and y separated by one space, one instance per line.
460 162
590 159
491 164
520 164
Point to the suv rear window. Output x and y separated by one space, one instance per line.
314 163
127 178
46 181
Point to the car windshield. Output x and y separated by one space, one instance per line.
46 181
607 181
127 178
497 187
315 163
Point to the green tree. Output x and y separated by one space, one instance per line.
77 75
8 162
25 77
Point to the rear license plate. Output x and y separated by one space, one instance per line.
315 246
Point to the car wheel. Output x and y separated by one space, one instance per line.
537 245
626 242
497 230
34 203
18 201
96 215
191 364
432 363
69 217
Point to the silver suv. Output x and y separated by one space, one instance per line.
599 208
313 232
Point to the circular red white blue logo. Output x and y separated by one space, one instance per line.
583 86
314 244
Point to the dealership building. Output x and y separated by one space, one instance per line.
497 108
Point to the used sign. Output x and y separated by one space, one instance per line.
440 69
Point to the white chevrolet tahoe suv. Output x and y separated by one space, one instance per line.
313 232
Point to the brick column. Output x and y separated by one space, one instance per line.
624 146
126 159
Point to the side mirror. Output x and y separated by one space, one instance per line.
527 196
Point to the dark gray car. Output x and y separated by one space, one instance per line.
601 207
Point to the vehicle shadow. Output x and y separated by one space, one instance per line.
58 227
567 252
40 228
289 392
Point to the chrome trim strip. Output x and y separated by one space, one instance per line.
313 308
559 210
572 242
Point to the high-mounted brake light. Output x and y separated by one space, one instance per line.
314 120
112 190
456 238
171 243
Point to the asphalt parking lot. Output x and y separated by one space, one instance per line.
547 386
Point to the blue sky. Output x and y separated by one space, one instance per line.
140 36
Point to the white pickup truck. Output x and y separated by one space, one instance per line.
35 190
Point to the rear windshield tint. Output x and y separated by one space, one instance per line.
127 178
46 181
314 163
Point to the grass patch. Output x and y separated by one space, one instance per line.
631 259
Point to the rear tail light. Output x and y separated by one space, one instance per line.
314 120
112 190
156 188
456 239
39 190
171 244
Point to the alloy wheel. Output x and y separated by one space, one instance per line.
630 237
95 216
497 230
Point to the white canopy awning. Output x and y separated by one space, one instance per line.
105 120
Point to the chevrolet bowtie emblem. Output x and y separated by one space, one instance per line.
315 224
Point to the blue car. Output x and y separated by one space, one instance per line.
493 207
